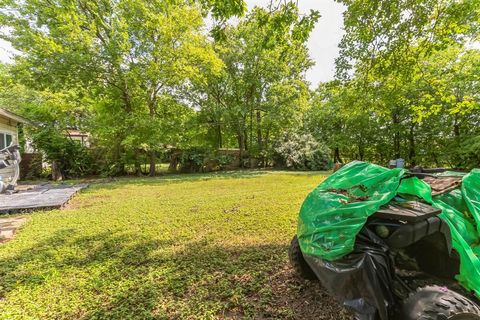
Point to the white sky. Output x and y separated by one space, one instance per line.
324 40
6 51
323 43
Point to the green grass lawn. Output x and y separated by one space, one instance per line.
209 246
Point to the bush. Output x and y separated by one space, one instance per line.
193 159
467 153
199 159
69 158
302 152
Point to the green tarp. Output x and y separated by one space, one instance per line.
335 212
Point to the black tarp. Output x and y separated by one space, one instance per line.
361 281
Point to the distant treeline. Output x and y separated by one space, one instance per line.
147 77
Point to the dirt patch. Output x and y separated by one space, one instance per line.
9 226
303 299
87 202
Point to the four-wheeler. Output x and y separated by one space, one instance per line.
404 261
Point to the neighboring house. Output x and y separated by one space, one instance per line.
9 123
81 137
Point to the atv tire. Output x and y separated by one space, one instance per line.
438 303
298 262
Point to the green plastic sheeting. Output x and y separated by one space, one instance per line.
335 212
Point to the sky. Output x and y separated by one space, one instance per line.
323 43
324 40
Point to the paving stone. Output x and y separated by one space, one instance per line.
8 227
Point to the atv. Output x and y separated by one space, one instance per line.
392 244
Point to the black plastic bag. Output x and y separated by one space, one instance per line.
361 280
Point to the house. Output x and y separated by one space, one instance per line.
9 125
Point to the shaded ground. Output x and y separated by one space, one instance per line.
182 247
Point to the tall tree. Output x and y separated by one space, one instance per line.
391 35
385 54
129 56
262 90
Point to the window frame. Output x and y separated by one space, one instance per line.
3 136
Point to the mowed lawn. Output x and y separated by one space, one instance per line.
205 246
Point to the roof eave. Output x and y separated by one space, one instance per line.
15 117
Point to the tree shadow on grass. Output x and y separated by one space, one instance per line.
145 278
114 183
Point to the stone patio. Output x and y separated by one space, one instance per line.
38 197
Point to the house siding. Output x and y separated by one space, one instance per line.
8 126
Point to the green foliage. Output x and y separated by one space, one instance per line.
262 91
224 159
128 59
408 84
193 159
201 159
467 153
303 152
387 37
73 159
222 9
144 76
53 113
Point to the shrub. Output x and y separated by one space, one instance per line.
199 159
69 158
467 153
302 152
193 159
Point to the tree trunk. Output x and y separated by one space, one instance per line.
57 174
138 165
153 159
245 139
396 134
361 151
219 136
138 168
174 161
119 153
118 158
265 147
259 137
336 156
456 127
435 159
246 146
241 146
251 136
411 146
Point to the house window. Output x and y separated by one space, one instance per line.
5 140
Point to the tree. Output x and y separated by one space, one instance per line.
53 113
399 92
430 120
129 57
390 36
262 91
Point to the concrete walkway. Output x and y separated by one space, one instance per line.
40 197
